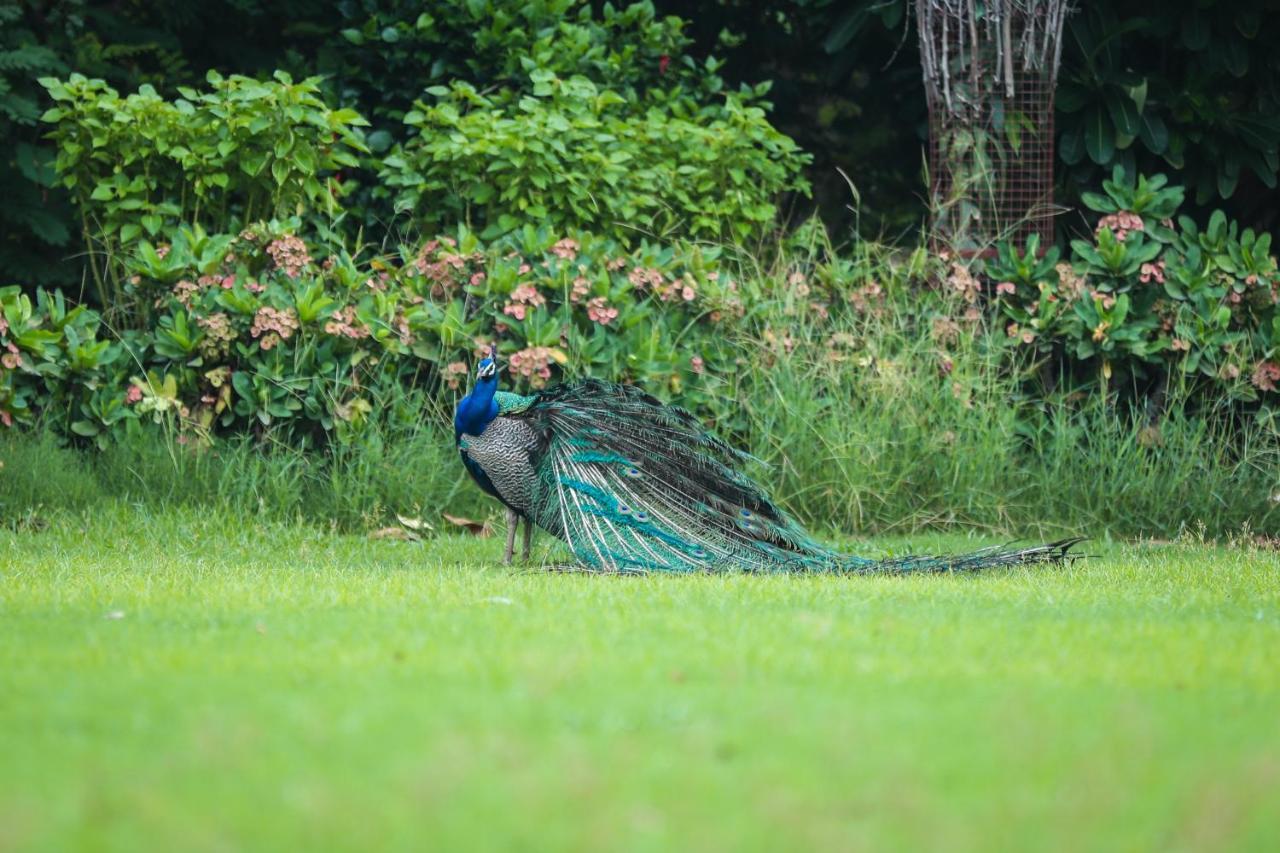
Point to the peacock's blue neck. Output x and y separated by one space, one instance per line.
477 409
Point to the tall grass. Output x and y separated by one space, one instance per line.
384 469
871 422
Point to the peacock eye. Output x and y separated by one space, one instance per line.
642 516
746 513
624 509
633 472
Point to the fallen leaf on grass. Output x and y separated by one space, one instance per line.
114 614
475 528
417 525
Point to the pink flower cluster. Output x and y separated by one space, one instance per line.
133 395
1006 288
652 279
642 277
1266 376
566 249
4 325
523 298
698 365
598 311
534 364
863 298
344 323
1152 271
454 372
273 325
581 287
1120 224
12 358
289 253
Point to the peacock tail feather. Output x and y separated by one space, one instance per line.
632 484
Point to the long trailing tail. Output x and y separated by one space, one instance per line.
634 485
1051 553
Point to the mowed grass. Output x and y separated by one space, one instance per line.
187 681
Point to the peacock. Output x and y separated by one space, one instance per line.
635 485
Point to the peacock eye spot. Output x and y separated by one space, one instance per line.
633 472
624 509
642 516
746 513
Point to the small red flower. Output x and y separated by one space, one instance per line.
663 62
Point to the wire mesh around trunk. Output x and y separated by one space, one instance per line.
989 80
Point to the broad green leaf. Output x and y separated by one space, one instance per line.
1153 133
1099 136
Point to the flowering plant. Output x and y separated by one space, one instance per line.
261 330
1150 297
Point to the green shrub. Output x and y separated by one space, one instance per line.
394 50
140 164
580 157
1150 301
249 332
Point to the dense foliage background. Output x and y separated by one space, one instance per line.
1194 88
294 224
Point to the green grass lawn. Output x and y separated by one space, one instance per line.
180 681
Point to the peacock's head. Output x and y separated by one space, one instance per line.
488 366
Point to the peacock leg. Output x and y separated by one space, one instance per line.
528 539
512 521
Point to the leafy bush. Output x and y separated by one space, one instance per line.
578 157
1192 88
1148 299
33 227
249 332
391 51
247 149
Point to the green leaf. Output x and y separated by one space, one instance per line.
1071 146
1227 180
1099 137
1153 133
845 30
1124 113
1139 95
